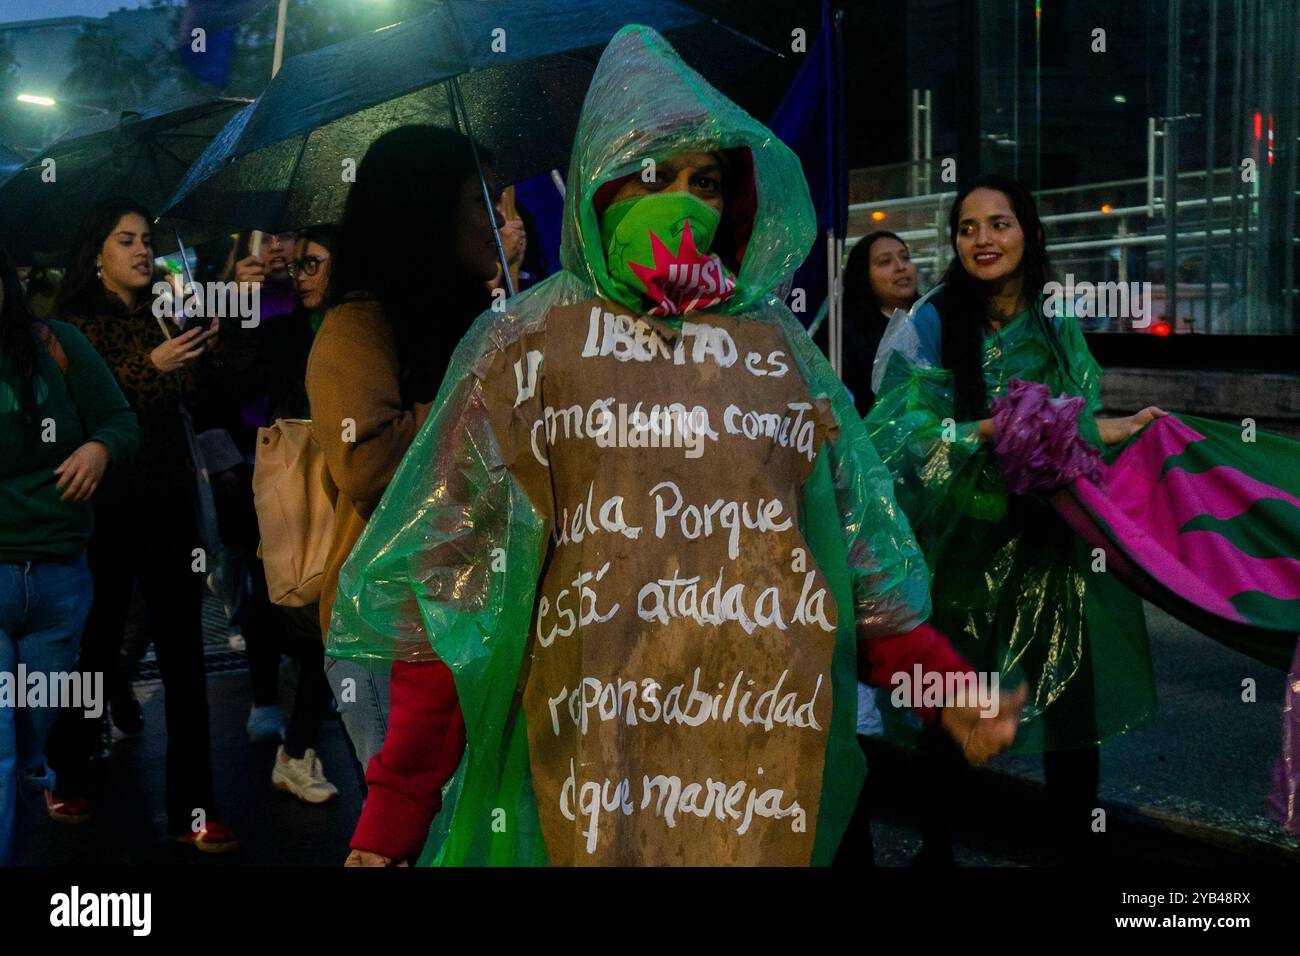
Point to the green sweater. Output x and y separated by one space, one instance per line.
85 405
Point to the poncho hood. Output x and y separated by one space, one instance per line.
644 102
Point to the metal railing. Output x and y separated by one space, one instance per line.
1122 235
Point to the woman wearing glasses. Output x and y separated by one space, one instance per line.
310 270
297 769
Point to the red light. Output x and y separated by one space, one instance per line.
1160 328
1259 125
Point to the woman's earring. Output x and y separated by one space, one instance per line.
99 272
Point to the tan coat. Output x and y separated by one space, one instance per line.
352 373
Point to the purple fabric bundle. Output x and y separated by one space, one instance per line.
1036 439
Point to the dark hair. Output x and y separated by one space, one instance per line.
860 300
326 235
963 302
407 190
22 335
82 291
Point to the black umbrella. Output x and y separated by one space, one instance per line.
140 154
519 67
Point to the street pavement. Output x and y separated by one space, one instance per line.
1187 788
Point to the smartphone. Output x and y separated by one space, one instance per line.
244 245
203 322
194 299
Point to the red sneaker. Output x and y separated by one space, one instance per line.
66 809
213 838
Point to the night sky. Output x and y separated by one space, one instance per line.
40 9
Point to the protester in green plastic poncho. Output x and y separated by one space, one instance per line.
1012 586
643 526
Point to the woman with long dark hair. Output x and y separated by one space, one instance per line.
1012 586
409 274
879 278
146 530
63 425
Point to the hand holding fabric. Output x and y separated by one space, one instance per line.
1115 430
1036 439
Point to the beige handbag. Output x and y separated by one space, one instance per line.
295 511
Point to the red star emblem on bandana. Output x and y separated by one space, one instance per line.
689 280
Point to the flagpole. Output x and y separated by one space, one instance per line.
830 76
277 57
832 305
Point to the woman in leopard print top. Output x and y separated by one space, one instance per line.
146 531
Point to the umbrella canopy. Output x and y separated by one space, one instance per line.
521 67
140 154
10 161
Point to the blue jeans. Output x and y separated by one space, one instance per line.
363 704
43 607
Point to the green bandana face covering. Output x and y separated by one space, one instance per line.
657 246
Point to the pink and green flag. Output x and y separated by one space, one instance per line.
1203 519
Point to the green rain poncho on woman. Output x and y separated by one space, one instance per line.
1013 588
654 647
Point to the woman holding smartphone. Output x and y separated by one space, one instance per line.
146 530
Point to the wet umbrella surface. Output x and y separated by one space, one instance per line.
285 161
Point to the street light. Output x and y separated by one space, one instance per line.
49 101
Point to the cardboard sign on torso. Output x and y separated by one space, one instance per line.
677 687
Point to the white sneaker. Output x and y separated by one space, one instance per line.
304 777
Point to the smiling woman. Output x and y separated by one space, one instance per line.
1010 582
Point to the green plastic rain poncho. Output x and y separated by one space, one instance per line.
654 647
1013 588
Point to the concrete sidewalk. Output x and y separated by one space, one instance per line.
128 826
